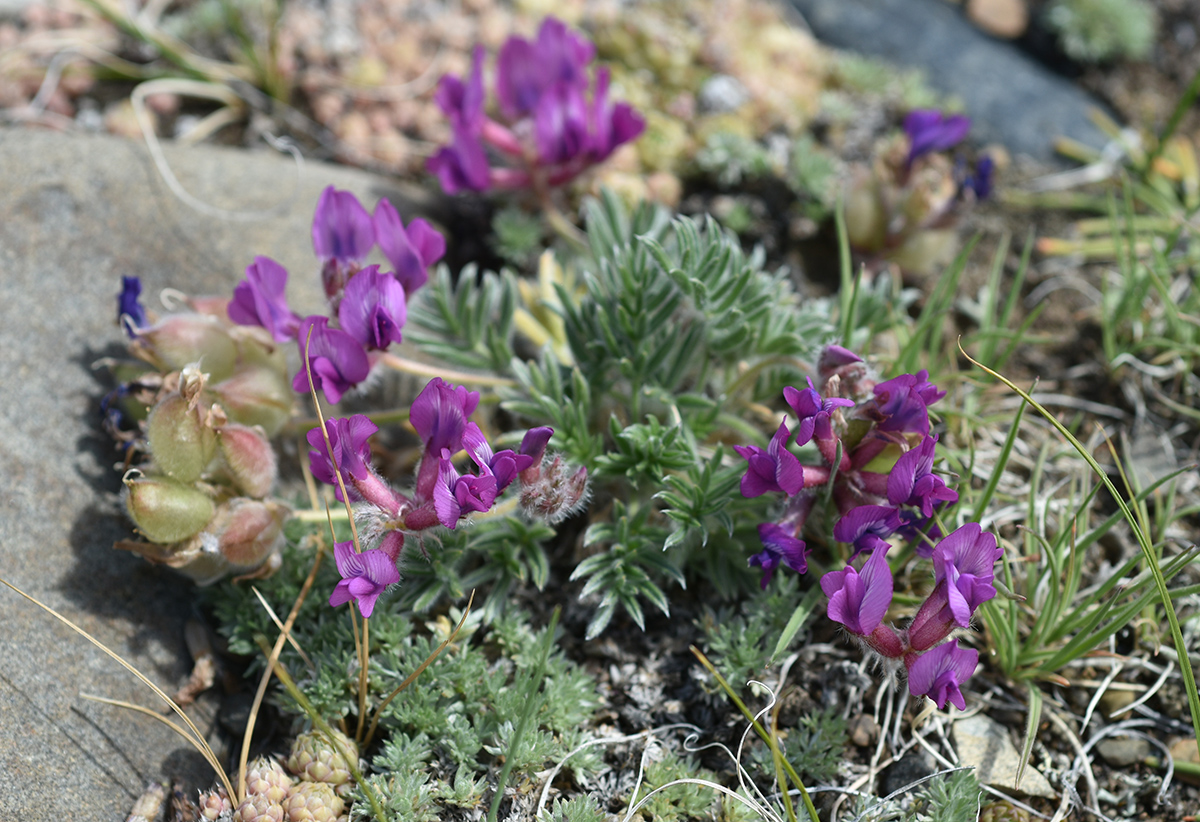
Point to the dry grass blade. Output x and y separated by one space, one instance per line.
285 633
408 680
199 741
279 624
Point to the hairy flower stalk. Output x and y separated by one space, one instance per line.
443 495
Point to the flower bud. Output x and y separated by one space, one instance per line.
556 493
256 395
214 805
266 777
165 510
181 439
249 457
314 759
313 802
182 339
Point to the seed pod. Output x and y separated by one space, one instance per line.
165 510
182 339
257 395
247 531
249 458
181 440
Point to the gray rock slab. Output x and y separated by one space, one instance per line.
984 744
1011 98
76 213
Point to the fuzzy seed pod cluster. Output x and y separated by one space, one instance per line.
195 426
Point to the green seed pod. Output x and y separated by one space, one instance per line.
182 339
257 395
313 759
181 439
313 802
247 531
249 457
165 510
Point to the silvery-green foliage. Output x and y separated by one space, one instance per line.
581 808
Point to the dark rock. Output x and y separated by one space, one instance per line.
1011 99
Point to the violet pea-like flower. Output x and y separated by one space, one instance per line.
348 436
462 165
411 250
260 300
463 102
455 493
373 309
342 230
965 560
903 402
773 469
525 70
364 576
867 527
940 672
779 546
808 405
610 125
930 130
337 360
439 414
129 305
504 465
912 481
859 600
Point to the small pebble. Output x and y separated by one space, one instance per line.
1006 19
1123 751
863 730
722 93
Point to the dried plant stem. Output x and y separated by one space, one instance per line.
760 730
422 370
408 680
198 741
284 634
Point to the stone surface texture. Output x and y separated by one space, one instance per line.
1011 98
76 213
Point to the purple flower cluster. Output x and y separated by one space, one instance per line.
876 462
929 130
556 122
370 305
442 495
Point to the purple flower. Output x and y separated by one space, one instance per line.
260 300
364 576
980 180
342 229
808 406
348 436
373 308
504 466
912 481
463 102
778 546
866 527
940 672
860 600
455 493
610 125
560 127
439 415
337 360
410 251
775 469
965 560
462 165
525 70
129 305
904 403
929 130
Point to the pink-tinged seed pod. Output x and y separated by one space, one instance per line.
257 395
181 439
165 510
182 339
249 457
247 531
558 491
